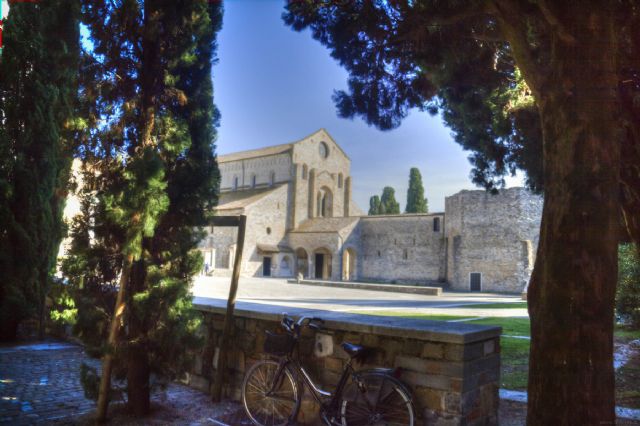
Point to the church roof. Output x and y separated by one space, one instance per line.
253 153
241 199
326 224
273 150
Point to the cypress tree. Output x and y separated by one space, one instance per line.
38 85
374 205
388 203
416 203
150 178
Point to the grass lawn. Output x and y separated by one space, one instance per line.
515 353
513 305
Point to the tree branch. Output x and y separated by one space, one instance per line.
511 19
555 23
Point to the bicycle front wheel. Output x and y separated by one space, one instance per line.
266 407
375 398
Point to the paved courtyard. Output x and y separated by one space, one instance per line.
40 383
277 292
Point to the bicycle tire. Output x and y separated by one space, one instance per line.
377 398
265 410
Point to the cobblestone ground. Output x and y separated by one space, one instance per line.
40 383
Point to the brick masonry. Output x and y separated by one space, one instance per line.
452 369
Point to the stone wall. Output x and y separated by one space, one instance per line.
452 369
402 248
494 235
261 167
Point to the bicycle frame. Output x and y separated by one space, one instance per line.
318 394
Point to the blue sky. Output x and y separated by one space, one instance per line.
273 85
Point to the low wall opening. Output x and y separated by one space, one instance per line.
452 369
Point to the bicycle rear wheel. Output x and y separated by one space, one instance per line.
264 408
376 398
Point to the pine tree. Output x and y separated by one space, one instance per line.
38 84
508 77
416 203
150 179
388 203
374 205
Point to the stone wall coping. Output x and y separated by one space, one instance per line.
401 215
427 330
397 288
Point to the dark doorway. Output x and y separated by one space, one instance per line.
266 266
319 265
476 281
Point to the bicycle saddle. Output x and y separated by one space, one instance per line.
354 351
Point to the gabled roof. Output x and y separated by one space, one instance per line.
273 150
241 199
253 153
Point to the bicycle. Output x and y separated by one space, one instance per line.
272 389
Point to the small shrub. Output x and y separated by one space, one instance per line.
628 289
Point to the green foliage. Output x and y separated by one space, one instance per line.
38 84
388 203
399 56
150 178
628 289
416 203
374 205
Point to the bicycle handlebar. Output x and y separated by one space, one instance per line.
294 327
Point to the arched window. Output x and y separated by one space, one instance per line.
253 181
305 171
235 183
340 180
272 178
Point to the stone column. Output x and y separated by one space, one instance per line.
312 193
347 195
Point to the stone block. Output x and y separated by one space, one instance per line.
251 325
411 363
426 380
333 364
439 418
489 347
433 350
370 340
432 399
353 338
412 347
456 352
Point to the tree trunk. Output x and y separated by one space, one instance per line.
572 290
107 360
138 392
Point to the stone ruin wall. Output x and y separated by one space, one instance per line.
402 248
496 235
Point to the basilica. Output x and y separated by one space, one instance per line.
301 219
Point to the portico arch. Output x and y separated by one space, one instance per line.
349 271
302 262
322 264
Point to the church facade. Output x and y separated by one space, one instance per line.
301 219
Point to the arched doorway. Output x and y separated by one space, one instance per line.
302 262
285 266
349 272
324 202
322 264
